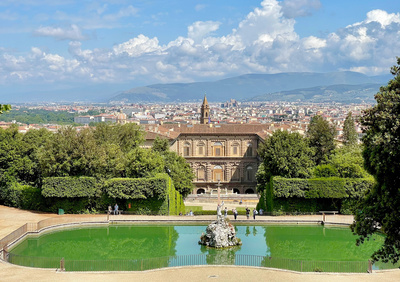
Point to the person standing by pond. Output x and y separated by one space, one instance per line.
254 213
247 212
235 213
116 209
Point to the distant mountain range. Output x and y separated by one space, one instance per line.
341 93
345 87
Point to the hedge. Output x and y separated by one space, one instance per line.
315 194
155 195
136 188
21 196
70 187
329 187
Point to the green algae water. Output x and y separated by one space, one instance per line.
138 242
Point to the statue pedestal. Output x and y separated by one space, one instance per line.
220 234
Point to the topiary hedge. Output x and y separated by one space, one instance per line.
329 187
155 195
315 194
70 187
136 188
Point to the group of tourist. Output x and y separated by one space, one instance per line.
115 211
255 212
235 212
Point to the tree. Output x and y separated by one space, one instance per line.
4 108
176 166
350 136
348 162
321 135
285 154
379 210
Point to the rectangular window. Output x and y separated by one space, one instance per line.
235 150
218 176
201 151
201 174
218 151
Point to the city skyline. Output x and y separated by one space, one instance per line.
57 47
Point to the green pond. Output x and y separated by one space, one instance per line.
129 242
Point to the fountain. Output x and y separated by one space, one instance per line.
220 233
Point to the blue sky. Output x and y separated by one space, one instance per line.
53 46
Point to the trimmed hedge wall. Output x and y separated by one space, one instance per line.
136 188
70 187
315 194
152 196
329 187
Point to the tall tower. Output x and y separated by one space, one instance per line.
205 112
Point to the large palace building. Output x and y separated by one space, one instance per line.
225 153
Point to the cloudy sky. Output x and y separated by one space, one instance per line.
53 46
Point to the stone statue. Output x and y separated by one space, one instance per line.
220 234
219 211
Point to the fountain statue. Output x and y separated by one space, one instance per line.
220 233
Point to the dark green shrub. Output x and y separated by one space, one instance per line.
69 205
70 187
325 170
332 187
155 195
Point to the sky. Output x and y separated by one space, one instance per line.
54 47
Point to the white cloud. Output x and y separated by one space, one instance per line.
198 30
266 22
70 33
299 8
264 41
138 46
382 17
122 13
313 42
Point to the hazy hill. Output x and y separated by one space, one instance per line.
342 93
245 87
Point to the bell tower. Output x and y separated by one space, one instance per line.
205 112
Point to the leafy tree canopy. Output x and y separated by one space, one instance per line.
345 162
176 166
321 136
350 136
380 211
4 108
285 154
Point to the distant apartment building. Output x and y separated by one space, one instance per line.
107 118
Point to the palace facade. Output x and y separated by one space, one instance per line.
225 153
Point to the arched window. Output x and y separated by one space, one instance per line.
201 173
218 149
249 173
186 149
236 190
200 191
249 191
249 151
218 174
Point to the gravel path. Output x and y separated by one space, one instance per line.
11 219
